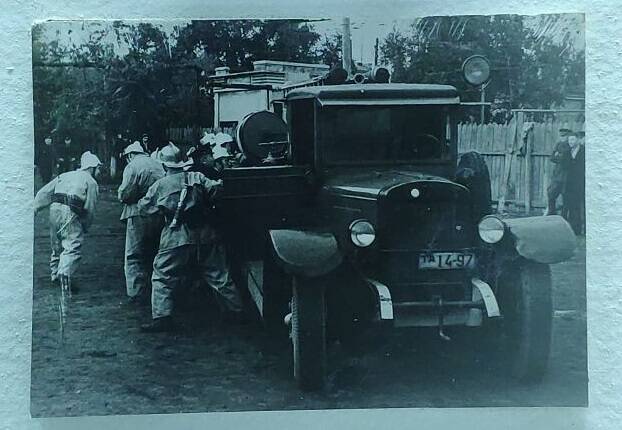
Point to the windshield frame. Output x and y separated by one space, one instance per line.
449 137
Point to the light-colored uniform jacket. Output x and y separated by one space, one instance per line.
142 172
163 196
78 183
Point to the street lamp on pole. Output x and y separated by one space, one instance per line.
476 71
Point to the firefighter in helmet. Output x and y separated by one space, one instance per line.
188 242
72 197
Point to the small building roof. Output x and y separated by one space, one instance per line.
378 94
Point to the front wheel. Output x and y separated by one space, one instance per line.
526 306
308 333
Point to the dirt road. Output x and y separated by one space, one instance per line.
107 366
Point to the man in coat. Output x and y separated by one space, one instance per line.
142 231
46 159
68 156
72 197
189 243
559 175
574 194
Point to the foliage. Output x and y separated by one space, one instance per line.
126 78
330 50
237 43
534 64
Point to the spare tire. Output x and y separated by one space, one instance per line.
473 173
261 134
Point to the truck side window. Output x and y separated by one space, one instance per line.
302 128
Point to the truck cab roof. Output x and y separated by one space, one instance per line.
378 94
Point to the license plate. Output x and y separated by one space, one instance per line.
446 260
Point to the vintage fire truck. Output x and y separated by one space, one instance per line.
358 211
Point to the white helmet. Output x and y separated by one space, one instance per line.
222 138
134 148
220 152
208 139
89 160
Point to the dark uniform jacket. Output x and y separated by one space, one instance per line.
576 173
561 161
68 157
46 160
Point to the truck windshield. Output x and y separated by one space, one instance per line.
379 134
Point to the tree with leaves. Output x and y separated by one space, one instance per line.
141 78
534 63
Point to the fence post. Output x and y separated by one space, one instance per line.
515 126
528 170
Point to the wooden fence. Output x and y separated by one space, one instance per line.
517 155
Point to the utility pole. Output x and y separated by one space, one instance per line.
376 53
347 47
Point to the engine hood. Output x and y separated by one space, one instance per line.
376 183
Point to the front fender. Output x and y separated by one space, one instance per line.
544 239
306 253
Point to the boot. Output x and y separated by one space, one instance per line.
159 325
141 299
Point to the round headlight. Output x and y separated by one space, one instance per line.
476 70
362 233
491 229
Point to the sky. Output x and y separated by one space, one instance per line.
364 32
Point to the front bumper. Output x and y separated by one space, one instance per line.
436 312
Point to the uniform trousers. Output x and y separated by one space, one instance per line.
207 262
66 237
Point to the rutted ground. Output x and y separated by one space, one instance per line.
107 366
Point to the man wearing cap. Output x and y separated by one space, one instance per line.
142 232
68 155
45 159
574 194
144 141
188 242
559 175
72 197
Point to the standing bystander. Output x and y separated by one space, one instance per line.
46 159
574 194
559 175
68 156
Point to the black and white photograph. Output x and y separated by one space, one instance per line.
308 214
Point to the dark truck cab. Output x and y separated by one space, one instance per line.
373 220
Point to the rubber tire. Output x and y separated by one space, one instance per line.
308 334
478 181
527 311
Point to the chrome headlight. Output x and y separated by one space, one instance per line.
491 229
362 233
